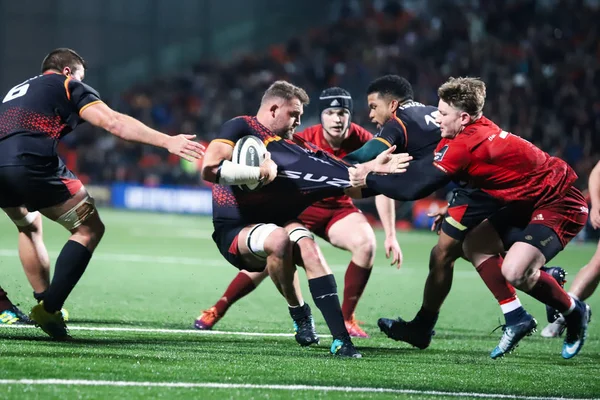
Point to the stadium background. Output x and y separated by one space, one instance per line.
186 66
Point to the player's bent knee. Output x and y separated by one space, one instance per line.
300 233
79 214
264 239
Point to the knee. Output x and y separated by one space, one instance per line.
514 275
278 243
444 254
363 249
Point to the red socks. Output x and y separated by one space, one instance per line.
355 280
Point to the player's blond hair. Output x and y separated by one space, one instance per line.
466 94
287 91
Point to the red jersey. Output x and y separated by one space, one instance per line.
504 165
357 136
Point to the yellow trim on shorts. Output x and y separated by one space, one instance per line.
382 140
456 224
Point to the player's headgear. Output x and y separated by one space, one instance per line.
335 97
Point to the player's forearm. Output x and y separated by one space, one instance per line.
132 130
420 180
367 152
387 214
594 186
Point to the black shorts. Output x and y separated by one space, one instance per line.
467 209
226 239
37 186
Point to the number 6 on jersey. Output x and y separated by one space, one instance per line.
16 92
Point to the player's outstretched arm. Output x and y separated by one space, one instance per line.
420 180
128 128
594 189
367 152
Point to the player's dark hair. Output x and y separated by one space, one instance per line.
466 94
287 91
392 86
60 58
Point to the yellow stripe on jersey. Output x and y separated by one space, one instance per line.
271 139
89 104
226 141
382 140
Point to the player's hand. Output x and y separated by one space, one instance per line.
389 163
184 147
439 218
393 250
268 170
358 175
595 217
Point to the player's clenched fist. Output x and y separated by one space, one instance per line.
184 147
268 169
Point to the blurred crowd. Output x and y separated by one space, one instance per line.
540 60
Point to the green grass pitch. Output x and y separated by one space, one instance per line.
153 273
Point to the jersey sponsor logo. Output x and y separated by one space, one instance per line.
439 156
336 182
585 210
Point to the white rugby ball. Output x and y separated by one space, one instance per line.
250 151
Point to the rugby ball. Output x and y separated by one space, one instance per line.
250 151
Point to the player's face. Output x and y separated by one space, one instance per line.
381 109
287 118
336 121
451 120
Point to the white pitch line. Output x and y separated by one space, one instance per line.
211 385
169 331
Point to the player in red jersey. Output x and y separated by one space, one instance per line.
331 218
543 210
34 116
587 279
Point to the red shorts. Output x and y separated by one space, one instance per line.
566 217
319 219
563 218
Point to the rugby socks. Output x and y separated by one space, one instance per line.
491 274
70 266
5 303
426 319
355 280
549 292
39 296
325 296
239 287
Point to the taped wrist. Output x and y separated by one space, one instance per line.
235 174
